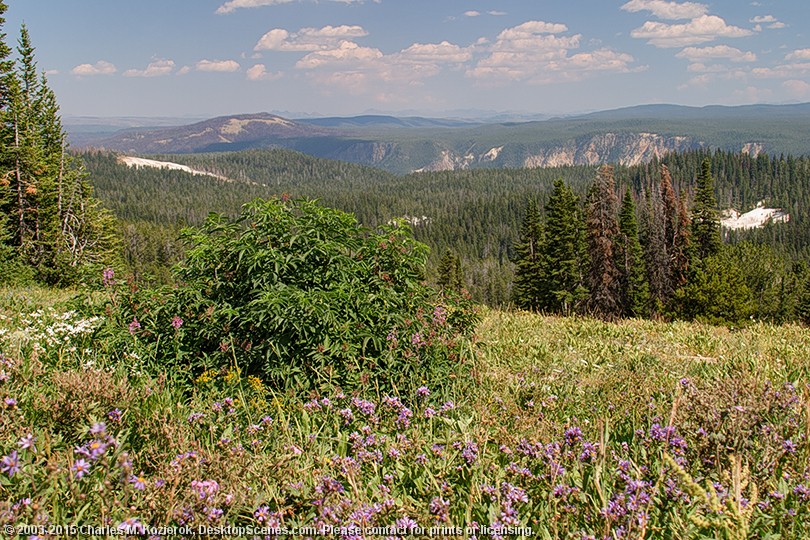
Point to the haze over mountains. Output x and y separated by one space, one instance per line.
405 144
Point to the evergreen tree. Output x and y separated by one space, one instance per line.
705 216
634 290
527 288
451 276
565 251
602 229
803 306
53 224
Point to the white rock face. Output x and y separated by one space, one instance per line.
754 219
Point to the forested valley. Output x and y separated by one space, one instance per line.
476 216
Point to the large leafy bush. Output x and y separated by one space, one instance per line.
303 296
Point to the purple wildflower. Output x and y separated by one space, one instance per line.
423 391
99 428
10 464
138 482
440 509
115 415
80 468
10 403
134 326
27 442
132 526
108 277
177 322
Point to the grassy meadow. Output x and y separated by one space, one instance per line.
566 428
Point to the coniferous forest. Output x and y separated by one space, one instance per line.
290 346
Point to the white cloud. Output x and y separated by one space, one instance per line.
752 94
347 52
51 72
800 54
700 30
496 13
99 68
184 70
221 66
154 69
435 53
472 13
720 51
797 89
759 20
233 5
535 53
667 10
259 73
308 39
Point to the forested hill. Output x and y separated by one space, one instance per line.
474 213
625 136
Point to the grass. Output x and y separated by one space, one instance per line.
569 428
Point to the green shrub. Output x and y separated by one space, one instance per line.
303 296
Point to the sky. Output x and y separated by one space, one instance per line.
204 58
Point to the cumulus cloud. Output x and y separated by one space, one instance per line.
308 39
222 66
796 63
770 20
700 30
472 13
233 5
534 51
99 68
347 52
667 10
259 73
800 54
718 52
154 69
495 13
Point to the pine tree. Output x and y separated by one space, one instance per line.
602 230
634 290
527 288
565 251
705 215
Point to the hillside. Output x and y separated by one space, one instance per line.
568 427
401 145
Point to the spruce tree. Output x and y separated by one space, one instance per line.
565 251
451 276
602 230
634 290
705 215
527 288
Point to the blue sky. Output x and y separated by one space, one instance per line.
340 57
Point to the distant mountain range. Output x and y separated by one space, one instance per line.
403 144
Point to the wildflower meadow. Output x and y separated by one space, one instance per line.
176 412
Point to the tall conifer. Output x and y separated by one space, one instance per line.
634 290
705 215
527 289
565 251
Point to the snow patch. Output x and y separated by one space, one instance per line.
137 162
753 219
